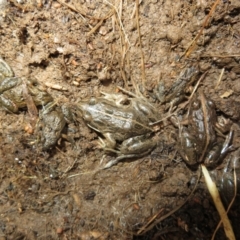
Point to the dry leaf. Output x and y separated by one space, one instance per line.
227 94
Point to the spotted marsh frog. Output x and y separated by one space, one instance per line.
198 141
123 121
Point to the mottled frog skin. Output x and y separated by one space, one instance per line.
174 94
12 99
11 90
198 141
225 181
123 121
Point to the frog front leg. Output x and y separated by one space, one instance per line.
137 146
109 143
226 181
7 96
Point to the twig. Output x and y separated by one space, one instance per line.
124 40
83 13
206 126
120 21
218 203
164 118
134 9
194 41
140 44
220 78
195 88
220 56
32 109
231 203
95 28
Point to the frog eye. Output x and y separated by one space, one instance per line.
196 104
87 116
92 101
211 103
32 82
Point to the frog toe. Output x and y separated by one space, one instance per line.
227 144
101 143
111 163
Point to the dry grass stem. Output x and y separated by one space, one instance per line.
140 45
218 204
31 106
231 203
221 56
124 41
95 28
220 78
194 41
196 86
134 9
83 13
119 19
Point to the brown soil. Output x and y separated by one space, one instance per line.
86 47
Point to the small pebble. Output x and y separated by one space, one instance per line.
59 230
174 34
103 30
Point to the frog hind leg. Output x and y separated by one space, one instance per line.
109 142
218 152
227 144
121 157
5 69
8 105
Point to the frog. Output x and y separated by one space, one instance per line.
11 90
226 183
12 99
198 141
51 123
175 94
124 123
5 70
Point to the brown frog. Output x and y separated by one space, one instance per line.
226 183
174 94
5 70
52 122
198 141
11 90
12 99
123 121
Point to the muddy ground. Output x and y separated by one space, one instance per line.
78 49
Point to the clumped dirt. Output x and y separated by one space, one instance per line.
78 49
